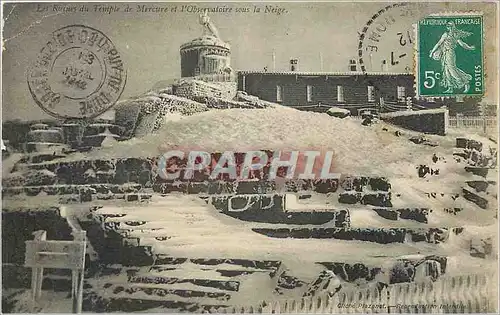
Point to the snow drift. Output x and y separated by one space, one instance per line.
357 149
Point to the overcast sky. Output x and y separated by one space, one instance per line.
149 42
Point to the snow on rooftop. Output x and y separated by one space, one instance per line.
412 113
322 73
334 109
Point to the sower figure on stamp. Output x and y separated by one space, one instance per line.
444 51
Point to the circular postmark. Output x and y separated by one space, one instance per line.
78 73
387 40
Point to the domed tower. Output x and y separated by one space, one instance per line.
207 55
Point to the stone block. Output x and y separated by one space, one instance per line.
377 199
461 143
416 214
473 197
388 214
480 171
132 197
478 185
349 198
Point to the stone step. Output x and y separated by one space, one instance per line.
233 272
141 213
173 241
163 292
415 214
379 199
95 303
187 271
132 197
463 154
468 144
232 202
479 171
476 197
207 281
377 235
271 208
248 263
132 245
163 261
137 224
191 272
340 217
159 276
214 275
155 233
209 187
481 185
139 171
184 284
74 189
351 272
475 156
37 158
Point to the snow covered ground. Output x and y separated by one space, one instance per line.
366 150
195 229
359 150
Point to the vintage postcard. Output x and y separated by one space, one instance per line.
250 157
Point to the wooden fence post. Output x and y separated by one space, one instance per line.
78 274
462 294
459 120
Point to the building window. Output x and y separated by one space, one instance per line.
279 93
371 93
401 93
309 93
340 93
352 65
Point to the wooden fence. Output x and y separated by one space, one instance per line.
473 122
218 77
460 294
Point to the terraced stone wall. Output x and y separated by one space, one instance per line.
377 235
433 121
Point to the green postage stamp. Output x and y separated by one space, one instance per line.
450 55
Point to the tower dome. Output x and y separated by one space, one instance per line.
205 55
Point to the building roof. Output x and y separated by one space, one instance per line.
206 41
306 73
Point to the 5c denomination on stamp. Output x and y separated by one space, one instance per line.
78 74
450 55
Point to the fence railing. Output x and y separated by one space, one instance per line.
459 294
216 77
472 122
